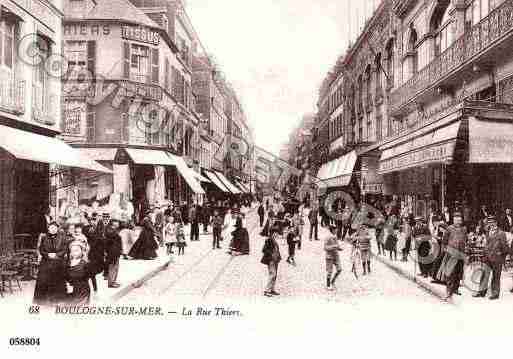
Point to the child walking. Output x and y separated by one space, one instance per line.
169 235
180 239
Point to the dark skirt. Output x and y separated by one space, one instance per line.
145 247
391 243
51 282
78 277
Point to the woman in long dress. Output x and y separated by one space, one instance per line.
240 239
77 275
96 254
50 284
146 245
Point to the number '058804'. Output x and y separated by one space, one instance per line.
24 341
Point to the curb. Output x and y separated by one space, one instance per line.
139 282
440 294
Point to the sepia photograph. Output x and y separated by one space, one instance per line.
257 178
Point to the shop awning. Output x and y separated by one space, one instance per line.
337 173
435 147
231 187
186 173
241 186
100 154
33 147
198 176
213 178
490 141
149 157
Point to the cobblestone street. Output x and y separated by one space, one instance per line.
206 274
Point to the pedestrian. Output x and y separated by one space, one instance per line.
298 229
407 231
127 235
194 220
290 235
50 283
496 251
391 238
380 235
102 226
146 245
313 218
261 213
113 250
271 258
205 215
82 239
96 250
240 239
422 237
169 235
77 275
438 252
364 242
217 229
451 269
180 239
331 249
185 213
507 221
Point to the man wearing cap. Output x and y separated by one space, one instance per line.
454 240
271 258
495 255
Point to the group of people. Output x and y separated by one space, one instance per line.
72 255
446 242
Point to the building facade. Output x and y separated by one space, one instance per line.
418 110
30 119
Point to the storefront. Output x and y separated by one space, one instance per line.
145 177
216 189
337 175
462 160
25 159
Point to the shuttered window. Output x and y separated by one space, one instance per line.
166 75
91 58
126 60
125 128
155 66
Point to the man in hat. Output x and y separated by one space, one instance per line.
331 248
271 258
113 249
454 240
495 255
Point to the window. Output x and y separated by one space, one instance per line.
72 117
478 10
441 27
40 86
166 75
7 50
139 63
390 63
76 54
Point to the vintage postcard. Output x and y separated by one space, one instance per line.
308 177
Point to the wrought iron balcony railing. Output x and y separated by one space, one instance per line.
12 94
482 36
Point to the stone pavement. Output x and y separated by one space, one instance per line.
204 274
132 273
410 270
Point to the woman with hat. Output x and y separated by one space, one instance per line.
50 284
240 239
437 234
422 237
146 245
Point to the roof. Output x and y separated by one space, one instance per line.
121 10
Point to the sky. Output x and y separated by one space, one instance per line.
276 53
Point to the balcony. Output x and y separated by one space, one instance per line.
480 39
12 94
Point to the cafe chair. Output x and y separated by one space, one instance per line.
10 273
